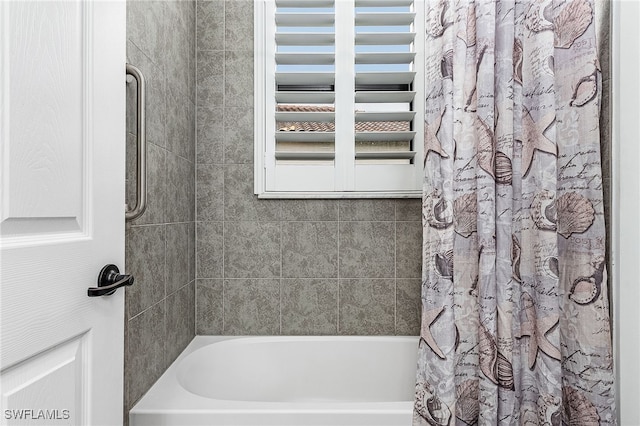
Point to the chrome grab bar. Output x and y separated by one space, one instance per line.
141 143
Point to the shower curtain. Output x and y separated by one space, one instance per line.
515 312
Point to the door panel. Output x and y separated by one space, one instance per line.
45 64
53 379
62 210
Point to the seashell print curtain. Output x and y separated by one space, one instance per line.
515 311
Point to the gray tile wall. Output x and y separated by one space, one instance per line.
160 245
285 266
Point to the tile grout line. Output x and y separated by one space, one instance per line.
280 281
224 277
195 174
338 281
395 268
195 180
224 170
145 310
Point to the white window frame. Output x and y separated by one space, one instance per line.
343 172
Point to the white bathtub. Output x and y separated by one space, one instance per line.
285 381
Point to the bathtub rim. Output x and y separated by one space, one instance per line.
168 388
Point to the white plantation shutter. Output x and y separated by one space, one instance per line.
335 99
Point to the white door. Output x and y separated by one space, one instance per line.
62 174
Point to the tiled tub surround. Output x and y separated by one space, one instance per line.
294 255
160 245
346 273
268 267
291 266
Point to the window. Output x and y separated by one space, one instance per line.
338 98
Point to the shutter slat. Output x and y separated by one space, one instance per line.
382 78
384 136
386 155
305 39
305 155
305 3
305 19
385 58
385 116
302 78
384 97
306 97
305 58
384 18
384 38
382 3
282 136
318 117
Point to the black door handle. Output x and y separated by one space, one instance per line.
109 280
